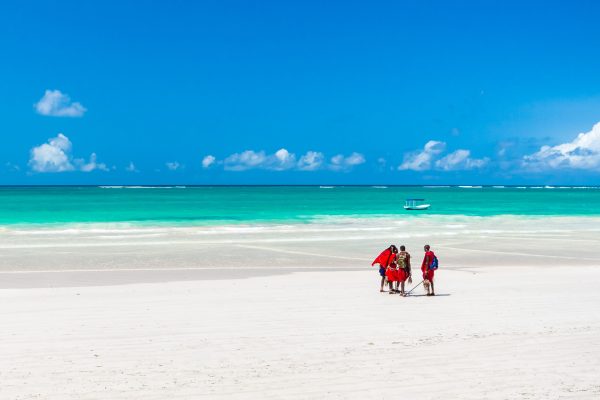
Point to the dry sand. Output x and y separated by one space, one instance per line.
307 321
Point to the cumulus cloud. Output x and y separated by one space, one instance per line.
339 162
248 159
54 103
279 161
91 165
52 156
173 166
583 152
283 160
208 160
311 161
460 160
55 156
431 158
421 160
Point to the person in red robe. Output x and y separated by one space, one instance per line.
385 260
428 272
391 274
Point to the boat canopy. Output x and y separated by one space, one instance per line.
415 204
409 203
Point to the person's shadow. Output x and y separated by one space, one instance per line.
424 295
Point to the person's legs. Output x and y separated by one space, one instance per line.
432 289
426 286
391 277
402 288
382 283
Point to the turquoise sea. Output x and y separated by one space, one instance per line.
179 205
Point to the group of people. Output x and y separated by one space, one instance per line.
395 268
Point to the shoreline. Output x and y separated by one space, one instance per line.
88 255
315 220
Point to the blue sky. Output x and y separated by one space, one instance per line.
300 92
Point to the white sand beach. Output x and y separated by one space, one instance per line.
295 312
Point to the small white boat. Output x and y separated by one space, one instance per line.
415 204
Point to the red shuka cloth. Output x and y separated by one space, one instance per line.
384 259
402 275
427 273
391 275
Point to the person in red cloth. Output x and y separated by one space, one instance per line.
391 273
428 272
385 259
404 272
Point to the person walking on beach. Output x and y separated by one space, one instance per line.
404 272
428 271
385 259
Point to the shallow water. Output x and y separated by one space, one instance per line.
178 205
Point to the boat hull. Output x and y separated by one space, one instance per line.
417 208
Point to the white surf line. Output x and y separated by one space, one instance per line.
219 268
565 238
518 254
303 253
182 242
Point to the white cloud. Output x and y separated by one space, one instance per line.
429 158
339 162
54 103
248 159
460 160
581 153
355 159
91 165
173 166
281 160
52 156
208 161
131 167
421 160
55 156
311 161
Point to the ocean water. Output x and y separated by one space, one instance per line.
178 205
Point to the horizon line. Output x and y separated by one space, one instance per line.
474 185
